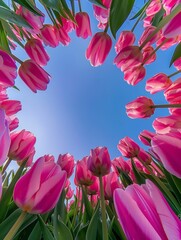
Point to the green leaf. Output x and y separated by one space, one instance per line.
176 54
3 4
141 10
88 208
139 178
62 231
81 235
67 10
3 39
27 4
93 225
53 4
158 17
12 17
98 3
36 233
119 12
45 230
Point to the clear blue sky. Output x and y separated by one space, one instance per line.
84 107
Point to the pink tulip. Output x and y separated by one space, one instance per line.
4 137
168 148
142 107
173 93
62 36
83 28
164 125
158 83
3 93
13 122
145 137
120 163
168 42
144 213
110 183
147 32
98 48
7 69
134 75
125 39
93 189
44 183
35 50
70 193
50 36
144 156
148 56
128 147
22 145
35 77
173 28
154 7
49 158
67 163
67 24
99 162
128 57
83 176
177 63
11 107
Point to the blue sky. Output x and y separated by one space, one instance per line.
84 107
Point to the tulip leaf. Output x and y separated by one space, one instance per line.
158 17
176 54
98 3
81 234
141 10
27 4
93 225
119 12
177 182
3 4
88 208
67 10
3 39
45 230
53 4
12 17
36 233
63 232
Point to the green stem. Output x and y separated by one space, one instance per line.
80 8
16 58
16 226
176 105
173 74
73 7
106 28
103 210
6 165
162 23
76 209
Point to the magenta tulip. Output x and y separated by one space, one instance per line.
39 189
67 163
82 28
128 147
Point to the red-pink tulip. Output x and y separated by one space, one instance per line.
62 36
98 48
4 137
49 35
120 163
142 107
70 193
110 183
144 156
154 7
13 122
134 75
125 39
49 157
83 176
147 32
93 189
145 137
158 83
144 213
35 77
22 145
173 93
82 28
128 147
11 107
168 148
99 162
35 50
148 55
67 163
44 183
7 69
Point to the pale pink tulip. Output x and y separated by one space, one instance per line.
158 83
83 176
50 36
120 163
99 162
144 213
83 28
142 107
35 77
67 163
168 148
125 39
7 70
173 93
98 48
22 145
4 137
44 183
128 147
35 50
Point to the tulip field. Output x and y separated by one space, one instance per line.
135 196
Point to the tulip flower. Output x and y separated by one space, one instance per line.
144 213
134 75
99 162
35 77
22 145
147 32
145 137
7 69
142 107
128 147
35 50
173 92
44 183
168 148
99 48
125 39
82 28
93 189
149 55
11 107
49 35
4 137
173 28
120 163
67 163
